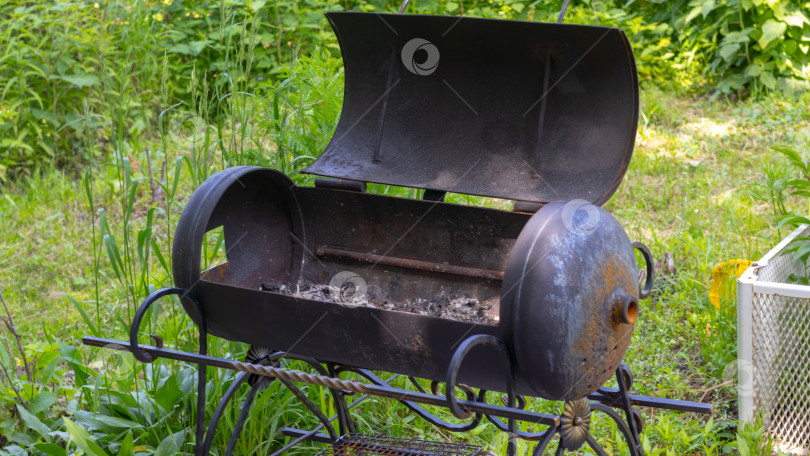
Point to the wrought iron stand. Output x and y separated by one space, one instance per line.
262 366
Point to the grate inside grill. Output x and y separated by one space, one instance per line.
381 445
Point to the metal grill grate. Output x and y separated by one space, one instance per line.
380 445
781 353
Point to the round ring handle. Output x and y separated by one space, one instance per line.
455 366
134 329
648 259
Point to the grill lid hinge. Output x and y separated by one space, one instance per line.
434 195
340 184
528 207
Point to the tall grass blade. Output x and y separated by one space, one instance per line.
83 313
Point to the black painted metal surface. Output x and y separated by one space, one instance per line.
473 125
570 299
564 316
557 111
273 230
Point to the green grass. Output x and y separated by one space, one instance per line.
684 193
79 251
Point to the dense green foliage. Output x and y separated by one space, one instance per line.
739 44
58 60
105 241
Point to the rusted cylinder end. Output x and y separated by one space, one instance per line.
628 310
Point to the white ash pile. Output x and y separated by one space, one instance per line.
450 307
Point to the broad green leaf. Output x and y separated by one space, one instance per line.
796 19
257 5
771 30
768 79
170 444
741 36
693 14
41 402
195 47
48 116
793 220
80 80
15 450
84 315
707 8
34 423
127 446
179 48
15 144
753 70
168 395
50 449
23 439
83 439
742 446
728 51
104 423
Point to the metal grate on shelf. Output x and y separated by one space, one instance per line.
380 445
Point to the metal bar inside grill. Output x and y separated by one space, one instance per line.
388 260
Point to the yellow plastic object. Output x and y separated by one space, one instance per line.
723 276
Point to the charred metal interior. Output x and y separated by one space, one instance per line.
541 114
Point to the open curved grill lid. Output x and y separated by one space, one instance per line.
508 109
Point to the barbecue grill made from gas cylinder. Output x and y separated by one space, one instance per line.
541 114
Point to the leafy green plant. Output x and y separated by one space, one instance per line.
776 186
741 44
753 440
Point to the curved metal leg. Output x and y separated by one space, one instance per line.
273 357
212 426
635 450
237 429
628 410
417 409
202 379
144 357
544 441
595 446
312 408
345 422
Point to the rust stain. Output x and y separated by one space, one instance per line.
601 343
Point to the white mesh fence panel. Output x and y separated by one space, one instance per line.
781 352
